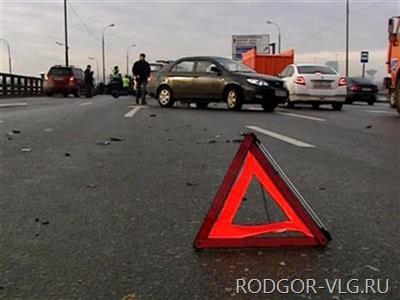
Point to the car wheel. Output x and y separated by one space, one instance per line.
233 99
77 93
65 95
391 99
396 97
49 94
315 106
202 105
164 97
289 104
269 105
371 102
337 106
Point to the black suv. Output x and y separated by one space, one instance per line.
65 80
216 79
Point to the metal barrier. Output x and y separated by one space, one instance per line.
20 86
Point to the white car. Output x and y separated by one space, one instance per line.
314 84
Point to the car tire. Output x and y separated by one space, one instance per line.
202 105
289 104
371 102
65 95
233 99
77 93
164 97
269 105
315 106
49 94
337 106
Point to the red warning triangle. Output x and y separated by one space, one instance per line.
218 229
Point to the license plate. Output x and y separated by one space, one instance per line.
322 85
366 89
280 93
58 78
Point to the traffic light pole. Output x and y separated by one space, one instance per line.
66 33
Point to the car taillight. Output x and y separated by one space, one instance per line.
300 80
72 79
342 81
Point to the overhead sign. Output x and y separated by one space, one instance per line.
300 228
243 43
364 57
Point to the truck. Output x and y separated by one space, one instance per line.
393 81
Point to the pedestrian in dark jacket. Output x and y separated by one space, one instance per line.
141 73
89 81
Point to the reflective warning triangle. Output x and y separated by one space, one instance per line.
302 224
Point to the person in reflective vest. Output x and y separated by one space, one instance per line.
125 84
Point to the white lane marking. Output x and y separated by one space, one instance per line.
281 137
301 116
379 111
133 111
86 103
13 104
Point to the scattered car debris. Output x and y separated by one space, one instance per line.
153 115
322 188
67 154
116 139
16 131
227 141
188 183
105 143
26 149
37 220
212 141
91 186
199 142
368 126
237 141
45 222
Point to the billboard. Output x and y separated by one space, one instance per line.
245 42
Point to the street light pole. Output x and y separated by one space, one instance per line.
279 34
127 58
347 37
5 42
66 33
97 68
104 58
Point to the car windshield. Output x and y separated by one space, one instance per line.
60 71
316 69
234 66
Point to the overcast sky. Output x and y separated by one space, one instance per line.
172 29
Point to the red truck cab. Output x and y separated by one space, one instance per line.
393 67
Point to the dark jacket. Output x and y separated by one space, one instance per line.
88 76
141 70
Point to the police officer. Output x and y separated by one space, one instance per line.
125 84
141 73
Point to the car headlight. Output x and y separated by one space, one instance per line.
256 81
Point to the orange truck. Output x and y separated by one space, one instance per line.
393 63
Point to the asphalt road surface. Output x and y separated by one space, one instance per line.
84 219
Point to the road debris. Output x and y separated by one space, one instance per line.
45 222
237 141
91 186
67 154
188 183
368 126
16 131
105 143
116 139
129 297
26 149
212 141
153 115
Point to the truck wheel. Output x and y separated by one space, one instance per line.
337 106
396 97
269 105
164 97
233 99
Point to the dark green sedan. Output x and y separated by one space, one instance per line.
215 79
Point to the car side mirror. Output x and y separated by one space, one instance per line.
215 70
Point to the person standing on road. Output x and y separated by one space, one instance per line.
125 84
89 81
141 73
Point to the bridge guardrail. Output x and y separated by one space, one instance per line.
12 85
